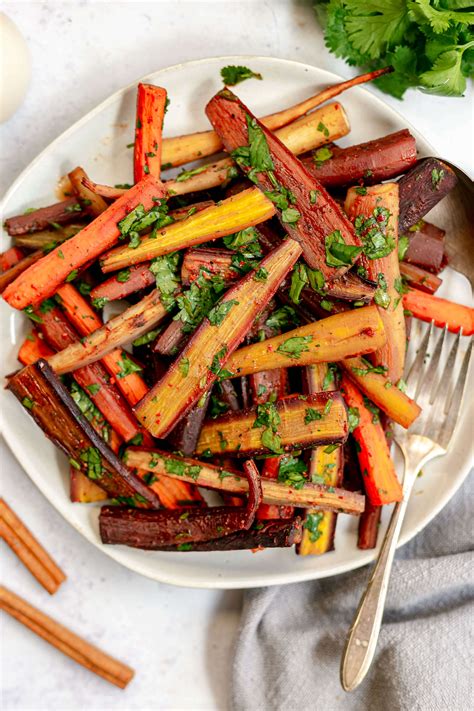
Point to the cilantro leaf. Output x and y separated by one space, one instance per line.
376 25
296 345
233 75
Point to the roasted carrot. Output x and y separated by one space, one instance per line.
173 494
290 424
374 211
35 220
151 107
96 204
184 149
203 358
377 160
85 320
250 207
47 401
195 471
374 383
94 379
420 278
444 313
21 266
83 490
369 523
9 258
126 282
130 324
306 211
33 348
47 239
331 339
326 466
378 471
422 188
42 279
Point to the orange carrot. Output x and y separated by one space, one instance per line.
427 307
9 258
378 471
14 271
85 320
33 348
44 277
151 106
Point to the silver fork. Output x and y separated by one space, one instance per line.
440 397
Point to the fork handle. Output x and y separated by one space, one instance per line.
363 634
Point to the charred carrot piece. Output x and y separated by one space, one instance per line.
328 340
96 204
378 388
33 348
369 523
422 188
250 207
130 324
444 313
9 258
59 214
306 211
204 357
46 399
294 423
21 266
326 466
184 149
126 282
374 211
265 386
46 239
420 278
378 471
42 279
426 245
371 162
210 476
86 321
151 106
94 379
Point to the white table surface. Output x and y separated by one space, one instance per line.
178 640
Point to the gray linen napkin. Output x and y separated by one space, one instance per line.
291 637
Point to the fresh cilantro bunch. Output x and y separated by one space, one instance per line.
430 43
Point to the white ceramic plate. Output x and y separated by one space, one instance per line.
98 142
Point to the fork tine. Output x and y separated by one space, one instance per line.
445 383
426 390
453 406
416 368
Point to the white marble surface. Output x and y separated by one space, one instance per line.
179 640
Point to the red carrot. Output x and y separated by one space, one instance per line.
420 278
33 348
43 278
93 378
151 107
369 523
123 283
85 320
307 212
378 471
444 313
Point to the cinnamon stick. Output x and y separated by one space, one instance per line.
66 641
29 550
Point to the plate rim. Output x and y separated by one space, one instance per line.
214 582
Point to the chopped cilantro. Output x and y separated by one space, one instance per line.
338 253
294 346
